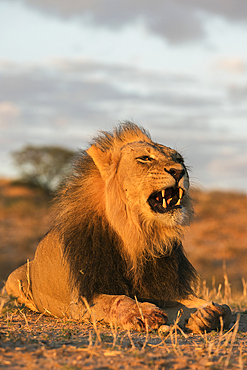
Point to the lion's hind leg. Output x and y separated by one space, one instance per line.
18 285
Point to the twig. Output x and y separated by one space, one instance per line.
174 328
146 337
220 335
240 359
3 300
139 308
114 333
93 319
25 318
131 340
145 322
234 333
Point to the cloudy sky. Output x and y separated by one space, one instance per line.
176 67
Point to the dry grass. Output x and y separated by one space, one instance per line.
217 239
24 219
34 341
216 245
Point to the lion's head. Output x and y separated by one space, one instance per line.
145 189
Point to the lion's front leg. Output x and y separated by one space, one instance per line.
209 317
126 313
199 316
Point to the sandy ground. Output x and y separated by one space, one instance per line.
35 342
32 341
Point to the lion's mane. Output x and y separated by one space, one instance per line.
98 254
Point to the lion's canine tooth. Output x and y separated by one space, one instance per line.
180 190
164 203
169 201
178 202
163 193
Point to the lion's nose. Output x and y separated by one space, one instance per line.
177 174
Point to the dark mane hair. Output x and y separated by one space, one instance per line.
94 250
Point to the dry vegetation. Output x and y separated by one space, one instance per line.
217 238
33 341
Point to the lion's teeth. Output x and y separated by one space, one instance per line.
163 193
169 201
180 193
178 202
164 203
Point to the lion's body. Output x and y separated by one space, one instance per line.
116 238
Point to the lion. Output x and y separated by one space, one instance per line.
114 251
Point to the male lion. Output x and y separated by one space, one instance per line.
116 241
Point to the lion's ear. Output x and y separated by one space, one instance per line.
101 159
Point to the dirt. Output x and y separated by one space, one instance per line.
33 341
217 238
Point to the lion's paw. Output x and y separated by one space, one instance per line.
152 315
139 316
207 318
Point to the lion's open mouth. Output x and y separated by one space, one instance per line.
166 200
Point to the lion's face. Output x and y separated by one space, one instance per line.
143 189
154 181
144 185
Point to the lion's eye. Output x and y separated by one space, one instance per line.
145 159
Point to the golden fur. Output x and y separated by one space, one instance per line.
142 233
117 235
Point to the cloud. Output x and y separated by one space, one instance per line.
79 90
9 113
230 165
175 20
233 65
64 103
231 10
